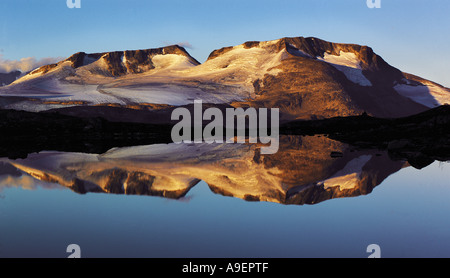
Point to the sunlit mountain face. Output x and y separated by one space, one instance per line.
306 78
306 170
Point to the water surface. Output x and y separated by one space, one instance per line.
155 201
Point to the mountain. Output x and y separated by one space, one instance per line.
307 78
302 172
8 78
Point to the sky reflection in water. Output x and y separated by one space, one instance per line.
406 215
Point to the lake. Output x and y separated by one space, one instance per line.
224 201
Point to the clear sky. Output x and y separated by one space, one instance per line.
411 35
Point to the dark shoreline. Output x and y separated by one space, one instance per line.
420 139
23 133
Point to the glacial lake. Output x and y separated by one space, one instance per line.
223 201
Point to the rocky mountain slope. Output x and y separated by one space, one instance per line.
306 78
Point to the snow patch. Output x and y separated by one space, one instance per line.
429 95
124 60
172 61
348 64
241 65
171 94
419 94
350 176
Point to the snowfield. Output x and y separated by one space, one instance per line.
174 80
178 79
349 177
429 95
348 64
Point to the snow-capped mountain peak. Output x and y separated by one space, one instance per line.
304 77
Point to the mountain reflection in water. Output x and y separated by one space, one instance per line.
306 170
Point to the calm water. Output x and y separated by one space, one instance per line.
406 214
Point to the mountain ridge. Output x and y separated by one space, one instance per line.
114 59
306 78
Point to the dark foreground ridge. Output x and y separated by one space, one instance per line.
420 139
22 133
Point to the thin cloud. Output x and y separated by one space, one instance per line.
25 64
184 44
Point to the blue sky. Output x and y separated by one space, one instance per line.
412 35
